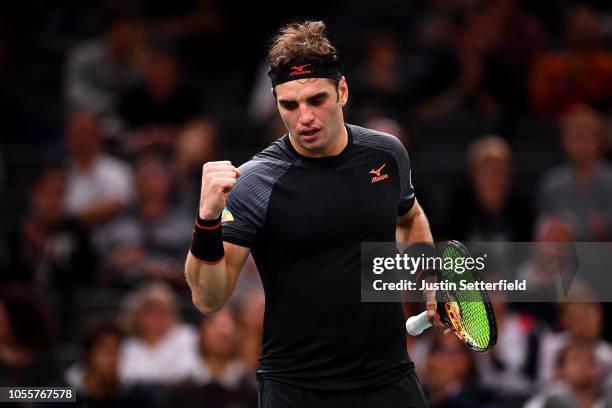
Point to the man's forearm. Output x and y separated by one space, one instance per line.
416 229
209 284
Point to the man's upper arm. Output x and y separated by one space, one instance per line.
410 215
235 258
242 220
407 196
244 215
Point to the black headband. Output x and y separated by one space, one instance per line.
302 71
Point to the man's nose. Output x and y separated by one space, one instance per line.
306 115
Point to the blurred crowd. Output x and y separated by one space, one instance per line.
111 108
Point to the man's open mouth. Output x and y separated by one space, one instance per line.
309 132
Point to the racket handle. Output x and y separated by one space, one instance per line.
416 324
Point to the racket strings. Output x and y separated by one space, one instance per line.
473 316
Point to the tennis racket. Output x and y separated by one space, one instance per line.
468 312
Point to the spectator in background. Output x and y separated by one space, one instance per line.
487 209
516 35
196 26
99 186
221 379
147 241
50 248
379 80
544 281
510 368
156 112
581 72
262 104
250 318
544 268
97 383
497 47
581 189
99 71
583 324
483 80
449 374
160 349
391 126
520 37
197 145
27 337
433 65
578 378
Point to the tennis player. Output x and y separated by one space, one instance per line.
302 207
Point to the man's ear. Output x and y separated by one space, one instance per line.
342 91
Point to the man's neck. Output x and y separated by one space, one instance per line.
342 140
586 396
585 172
85 162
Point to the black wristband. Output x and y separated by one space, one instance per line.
207 241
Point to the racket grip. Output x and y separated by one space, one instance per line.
416 324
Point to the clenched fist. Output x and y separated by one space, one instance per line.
218 178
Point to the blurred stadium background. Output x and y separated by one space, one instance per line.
110 108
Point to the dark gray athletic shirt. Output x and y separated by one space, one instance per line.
304 220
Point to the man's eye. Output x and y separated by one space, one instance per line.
317 101
289 106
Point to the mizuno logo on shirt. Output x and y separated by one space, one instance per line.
377 176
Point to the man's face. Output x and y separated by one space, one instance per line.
583 320
104 358
580 368
83 132
491 179
312 112
155 319
581 144
219 335
48 195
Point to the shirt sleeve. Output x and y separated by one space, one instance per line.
407 196
243 218
238 225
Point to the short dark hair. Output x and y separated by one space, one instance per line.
561 357
93 335
302 42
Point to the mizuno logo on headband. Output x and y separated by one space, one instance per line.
304 70
299 70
